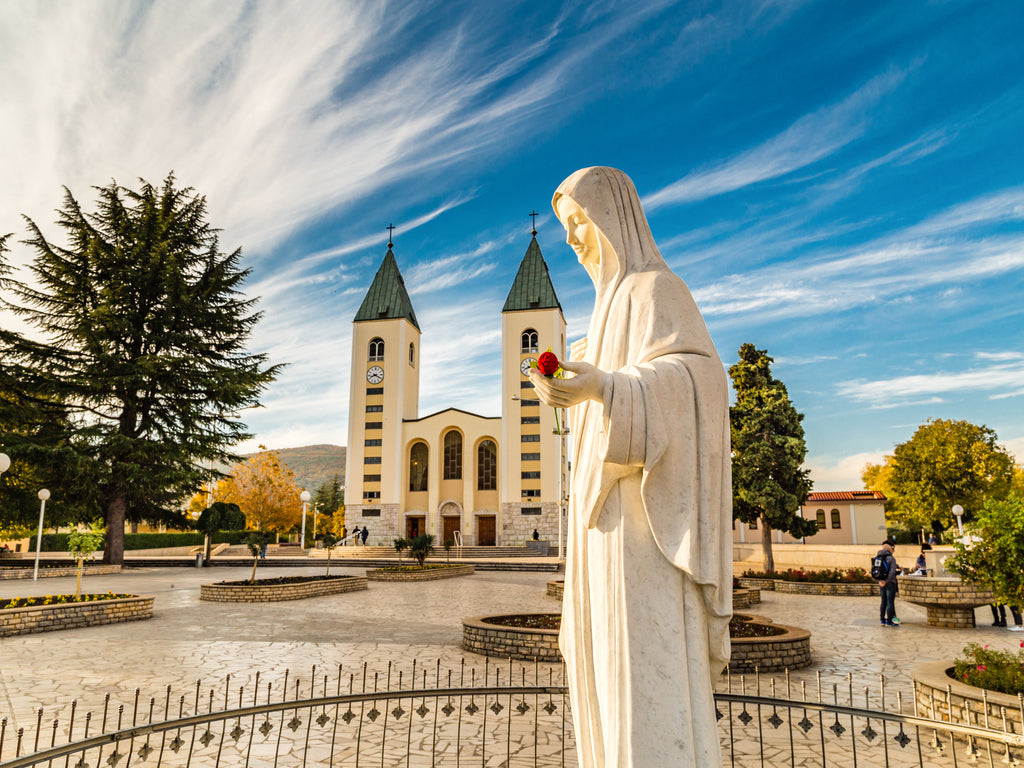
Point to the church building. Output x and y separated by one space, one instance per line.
487 480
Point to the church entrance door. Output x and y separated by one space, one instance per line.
485 530
449 525
414 526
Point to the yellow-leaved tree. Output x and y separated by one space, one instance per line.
265 490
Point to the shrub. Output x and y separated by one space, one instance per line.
825 575
58 542
982 667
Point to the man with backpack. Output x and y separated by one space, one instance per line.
884 570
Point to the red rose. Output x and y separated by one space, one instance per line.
547 363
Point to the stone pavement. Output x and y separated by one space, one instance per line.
188 640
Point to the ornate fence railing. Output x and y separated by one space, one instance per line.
504 715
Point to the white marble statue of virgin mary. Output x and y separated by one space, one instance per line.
648 583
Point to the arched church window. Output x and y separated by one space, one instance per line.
412 354
376 349
835 519
418 456
487 466
453 456
529 340
819 517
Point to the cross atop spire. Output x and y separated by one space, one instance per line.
534 215
390 230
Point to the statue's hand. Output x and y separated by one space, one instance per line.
587 383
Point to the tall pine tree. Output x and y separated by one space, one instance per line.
143 327
768 449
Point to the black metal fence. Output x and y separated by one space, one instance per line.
499 715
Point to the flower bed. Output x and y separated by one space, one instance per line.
942 696
27 615
486 635
284 588
53 571
415 573
767 646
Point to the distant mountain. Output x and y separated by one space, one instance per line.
315 465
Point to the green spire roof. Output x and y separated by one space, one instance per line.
387 298
532 288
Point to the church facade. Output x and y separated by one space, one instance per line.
484 480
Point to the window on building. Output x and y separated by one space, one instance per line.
376 350
529 340
371 460
529 419
412 354
418 456
529 403
836 523
371 478
531 475
531 438
529 456
531 493
453 456
371 494
487 466
375 425
529 510
375 390
819 517
375 409
371 513
526 385
372 443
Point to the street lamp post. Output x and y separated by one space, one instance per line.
43 496
305 497
958 511
5 463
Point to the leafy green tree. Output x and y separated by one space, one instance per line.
219 516
768 449
143 327
330 541
420 547
330 496
400 546
943 464
256 541
81 544
992 551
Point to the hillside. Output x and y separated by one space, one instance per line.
315 465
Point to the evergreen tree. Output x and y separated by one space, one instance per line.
329 497
768 449
143 331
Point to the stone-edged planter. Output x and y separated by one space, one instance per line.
51 618
765 585
556 589
271 593
789 650
415 574
524 643
949 602
834 589
741 598
966 703
25 572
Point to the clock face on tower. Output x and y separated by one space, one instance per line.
526 365
375 374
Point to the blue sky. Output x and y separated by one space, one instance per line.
841 183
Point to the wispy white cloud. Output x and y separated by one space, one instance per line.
811 138
999 378
842 473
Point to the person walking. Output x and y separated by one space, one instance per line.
884 571
355 536
365 535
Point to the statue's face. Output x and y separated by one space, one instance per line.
580 232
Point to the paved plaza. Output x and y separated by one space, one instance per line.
188 640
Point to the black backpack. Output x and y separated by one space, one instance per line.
879 568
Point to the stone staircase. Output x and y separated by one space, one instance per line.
385 553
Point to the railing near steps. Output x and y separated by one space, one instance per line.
498 715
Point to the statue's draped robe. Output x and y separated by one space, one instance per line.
648 588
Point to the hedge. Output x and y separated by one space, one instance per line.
58 542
